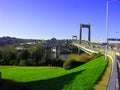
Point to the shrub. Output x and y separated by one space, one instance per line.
76 60
79 58
22 63
97 55
57 62
69 64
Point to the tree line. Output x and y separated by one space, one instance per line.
35 56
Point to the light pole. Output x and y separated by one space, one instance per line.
107 25
116 41
106 48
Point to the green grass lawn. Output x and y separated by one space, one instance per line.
53 78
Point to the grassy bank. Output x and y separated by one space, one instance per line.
103 83
53 78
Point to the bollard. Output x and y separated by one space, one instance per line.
0 75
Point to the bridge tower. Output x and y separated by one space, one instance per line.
74 38
89 32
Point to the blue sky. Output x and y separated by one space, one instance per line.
44 19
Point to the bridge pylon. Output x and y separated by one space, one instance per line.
89 32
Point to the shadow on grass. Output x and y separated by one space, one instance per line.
11 85
54 83
57 83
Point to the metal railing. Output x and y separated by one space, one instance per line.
90 46
114 78
112 81
118 74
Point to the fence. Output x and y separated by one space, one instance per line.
113 78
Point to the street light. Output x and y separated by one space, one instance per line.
107 26
116 41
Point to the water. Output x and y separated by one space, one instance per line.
61 56
64 56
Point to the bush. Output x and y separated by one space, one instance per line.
97 55
77 60
69 64
22 63
57 62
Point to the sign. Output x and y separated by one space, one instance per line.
104 44
113 39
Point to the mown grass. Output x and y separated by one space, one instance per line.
103 83
53 78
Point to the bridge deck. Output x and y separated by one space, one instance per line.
85 49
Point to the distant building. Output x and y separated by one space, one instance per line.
20 48
31 43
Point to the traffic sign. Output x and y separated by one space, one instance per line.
104 44
113 39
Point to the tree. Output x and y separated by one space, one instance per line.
9 57
1 57
37 54
24 55
47 56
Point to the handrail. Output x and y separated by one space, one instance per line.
86 46
118 70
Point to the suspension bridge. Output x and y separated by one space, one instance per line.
92 48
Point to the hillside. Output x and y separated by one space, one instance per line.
53 78
13 40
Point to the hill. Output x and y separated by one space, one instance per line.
10 40
83 77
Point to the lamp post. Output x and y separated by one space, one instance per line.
107 25
116 41
106 48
